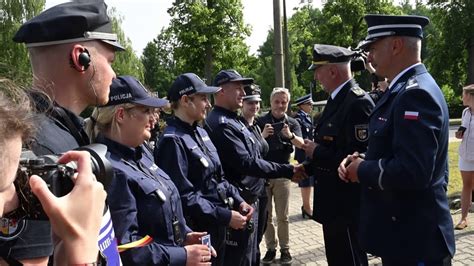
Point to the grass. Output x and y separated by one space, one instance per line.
455 181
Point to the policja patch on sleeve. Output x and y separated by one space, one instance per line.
361 132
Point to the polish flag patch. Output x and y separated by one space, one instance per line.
410 115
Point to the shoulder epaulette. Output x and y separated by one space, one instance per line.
412 83
170 131
358 91
222 120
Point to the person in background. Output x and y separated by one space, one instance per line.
303 116
284 133
145 204
466 154
71 48
73 218
250 108
404 212
186 153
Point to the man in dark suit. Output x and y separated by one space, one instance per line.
405 216
341 128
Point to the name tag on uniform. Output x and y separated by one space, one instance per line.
328 138
204 162
161 195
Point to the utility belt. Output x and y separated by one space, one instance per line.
228 201
248 195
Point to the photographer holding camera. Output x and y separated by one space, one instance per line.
284 132
72 70
73 218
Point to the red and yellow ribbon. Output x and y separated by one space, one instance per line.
136 244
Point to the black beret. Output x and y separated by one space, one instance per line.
69 22
324 54
380 26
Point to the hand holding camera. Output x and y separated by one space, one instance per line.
75 217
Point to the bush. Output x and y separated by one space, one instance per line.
454 101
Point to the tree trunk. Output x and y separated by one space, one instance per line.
208 64
209 57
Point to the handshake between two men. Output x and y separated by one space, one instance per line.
348 167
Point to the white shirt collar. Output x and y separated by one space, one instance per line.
338 89
401 74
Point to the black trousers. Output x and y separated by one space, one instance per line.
342 245
401 262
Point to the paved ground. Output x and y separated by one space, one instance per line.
307 244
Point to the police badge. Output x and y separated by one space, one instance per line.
361 132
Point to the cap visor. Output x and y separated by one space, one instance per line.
252 98
313 66
208 90
365 44
243 80
115 45
152 102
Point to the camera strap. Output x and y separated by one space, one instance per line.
79 135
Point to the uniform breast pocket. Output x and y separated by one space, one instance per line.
154 196
198 160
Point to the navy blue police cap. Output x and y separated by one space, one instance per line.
187 84
324 54
230 75
380 26
252 93
69 22
127 89
304 99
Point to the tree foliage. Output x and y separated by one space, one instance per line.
203 37
14 63
126 62
158 61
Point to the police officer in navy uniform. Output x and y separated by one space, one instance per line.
186 153
405 216
342 128
250 109
145 204
303 116
241 162
72 70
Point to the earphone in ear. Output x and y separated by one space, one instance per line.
84 59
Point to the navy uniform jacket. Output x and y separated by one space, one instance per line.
138 207
197 173
306 124
404 208
341 130
239 154
257 133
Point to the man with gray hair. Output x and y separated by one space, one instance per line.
405 215
284 133
341 129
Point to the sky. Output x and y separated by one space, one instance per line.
143 19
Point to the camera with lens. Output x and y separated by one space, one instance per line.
58 177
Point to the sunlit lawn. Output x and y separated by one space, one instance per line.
455 181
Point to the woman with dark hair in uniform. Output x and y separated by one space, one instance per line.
144 203
187 154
